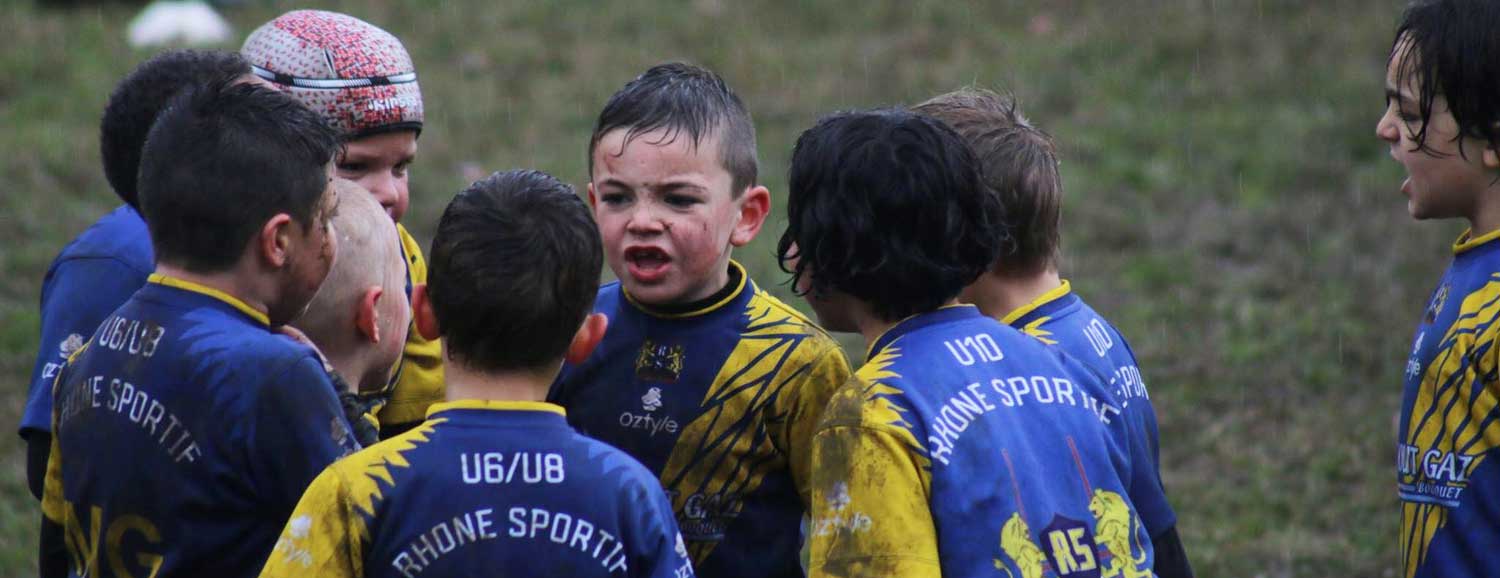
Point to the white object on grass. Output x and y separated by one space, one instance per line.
172 21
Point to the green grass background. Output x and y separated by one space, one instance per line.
1228 205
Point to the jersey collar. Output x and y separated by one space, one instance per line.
1056 294
1464 243
231 300
940 315
494 405
739 289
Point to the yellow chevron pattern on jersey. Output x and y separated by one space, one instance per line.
330 522
778 348
1448 413
421 381
1034 329
878 407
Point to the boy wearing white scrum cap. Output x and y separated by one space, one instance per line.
361 79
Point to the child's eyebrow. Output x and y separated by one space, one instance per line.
613 182
1392 94
677 186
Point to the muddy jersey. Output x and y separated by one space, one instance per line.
484 488
184 433
720 404
92 276
1061 318
965 448
1450 423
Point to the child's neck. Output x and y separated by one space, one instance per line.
1485 220
997 293
465 383
230 282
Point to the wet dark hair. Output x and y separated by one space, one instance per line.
682 98
1453 51
1019 163
887 206
221 160
513 271
143 93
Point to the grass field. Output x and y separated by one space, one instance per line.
1228 205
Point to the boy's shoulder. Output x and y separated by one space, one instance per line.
361 472
614 465
767 313
120 235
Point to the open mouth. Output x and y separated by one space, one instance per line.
647 264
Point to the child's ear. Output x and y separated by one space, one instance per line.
755 205
422 315
367 313
275 243
593 201
588 337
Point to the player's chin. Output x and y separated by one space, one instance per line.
654 293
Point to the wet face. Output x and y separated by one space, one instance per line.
667 215
380 164
1445 179
310 254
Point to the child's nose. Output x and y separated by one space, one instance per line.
643 220
1385 128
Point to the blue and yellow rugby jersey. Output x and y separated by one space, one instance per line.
94 274
721 404
1061 318
185 432
418 382
483 488
1450 424
965 448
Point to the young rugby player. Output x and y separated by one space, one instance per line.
185 429
361 78
707 380
494 482
359 318
963 447
1018 162
1442 122
104 265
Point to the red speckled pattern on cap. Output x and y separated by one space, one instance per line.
320 45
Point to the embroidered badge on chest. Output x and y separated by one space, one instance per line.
659 363
1434 308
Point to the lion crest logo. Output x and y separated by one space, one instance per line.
1015 541
659 363
1114 525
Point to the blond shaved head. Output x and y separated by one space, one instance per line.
369 258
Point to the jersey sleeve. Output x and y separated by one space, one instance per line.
298 428
666 553
76 297
804 408
322 537
870 513
418 382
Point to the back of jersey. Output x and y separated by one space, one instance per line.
483 488
1061 318
989 451
185 432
